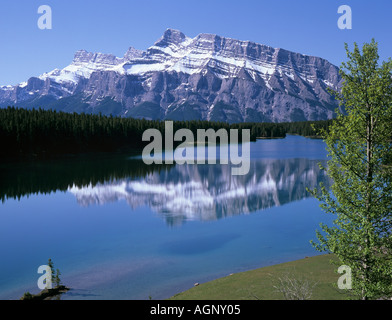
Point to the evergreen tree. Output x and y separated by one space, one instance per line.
41 133
57 279
51 265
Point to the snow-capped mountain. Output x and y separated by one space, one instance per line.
181 78
195 192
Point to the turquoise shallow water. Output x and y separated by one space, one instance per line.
156 233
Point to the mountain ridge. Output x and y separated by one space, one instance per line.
208 77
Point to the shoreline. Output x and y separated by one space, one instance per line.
46 294
177 289
260 283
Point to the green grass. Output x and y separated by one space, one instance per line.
259 284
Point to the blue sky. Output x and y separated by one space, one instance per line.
305 26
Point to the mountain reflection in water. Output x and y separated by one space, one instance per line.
209 192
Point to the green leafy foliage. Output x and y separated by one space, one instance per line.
359 146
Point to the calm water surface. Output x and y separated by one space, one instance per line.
118 229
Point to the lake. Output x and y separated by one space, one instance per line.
119 229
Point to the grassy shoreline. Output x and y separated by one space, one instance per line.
259 284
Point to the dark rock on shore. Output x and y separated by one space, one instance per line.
46 294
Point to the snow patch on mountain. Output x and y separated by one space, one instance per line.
189 55
207 77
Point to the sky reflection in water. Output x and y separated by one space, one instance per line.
130 232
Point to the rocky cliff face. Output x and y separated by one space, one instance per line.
180 78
